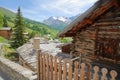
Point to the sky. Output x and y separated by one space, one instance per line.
40 10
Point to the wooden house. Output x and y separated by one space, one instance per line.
65 48
5 32
96 32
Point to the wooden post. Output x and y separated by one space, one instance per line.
70 70
59 69
88 71
95 75
47 67
104 73
51 67
96 41
64 70
113 74
76 70
41 67
55 68
36 44
44 68
82 71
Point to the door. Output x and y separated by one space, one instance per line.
108 48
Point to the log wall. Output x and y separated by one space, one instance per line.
84 41
105 26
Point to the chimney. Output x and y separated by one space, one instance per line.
36 43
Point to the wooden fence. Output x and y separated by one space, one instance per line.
53 68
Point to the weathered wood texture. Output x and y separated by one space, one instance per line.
57 69
89 42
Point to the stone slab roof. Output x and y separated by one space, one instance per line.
28 54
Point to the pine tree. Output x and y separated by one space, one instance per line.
18 38
1 20
5 24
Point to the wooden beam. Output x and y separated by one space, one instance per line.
96 39
69 34
89 21
102 9
107 24
110 30
116 3
109 20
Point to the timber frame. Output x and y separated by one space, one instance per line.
97 31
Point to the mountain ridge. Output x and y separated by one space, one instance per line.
59 23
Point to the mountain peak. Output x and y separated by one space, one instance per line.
63 19
57 22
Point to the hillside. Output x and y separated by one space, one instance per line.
31 25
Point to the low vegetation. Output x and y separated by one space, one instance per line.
3 40
10 53
32 27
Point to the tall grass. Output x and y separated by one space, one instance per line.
3 40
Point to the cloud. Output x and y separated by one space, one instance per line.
29 11
42 9
70 7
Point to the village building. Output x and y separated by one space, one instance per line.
96 32
27 52
65 47
5 32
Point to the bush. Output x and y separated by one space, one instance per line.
10 53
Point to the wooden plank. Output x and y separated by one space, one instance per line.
95 75
82 72
102 9
113 74
104 73
41 67
88 71
107 24
44 67
109 30
70 71
64 70
59 69
38 64
47 67
109 19
51 67
76 70
55 68
96 40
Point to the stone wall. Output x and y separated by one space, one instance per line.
15 71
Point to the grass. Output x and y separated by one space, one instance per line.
10 53
3 40
65 40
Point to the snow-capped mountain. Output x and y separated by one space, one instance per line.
58 22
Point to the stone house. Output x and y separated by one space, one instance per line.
96 32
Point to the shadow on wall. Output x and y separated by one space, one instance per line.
62 55
3 76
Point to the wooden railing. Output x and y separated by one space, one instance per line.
53 68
